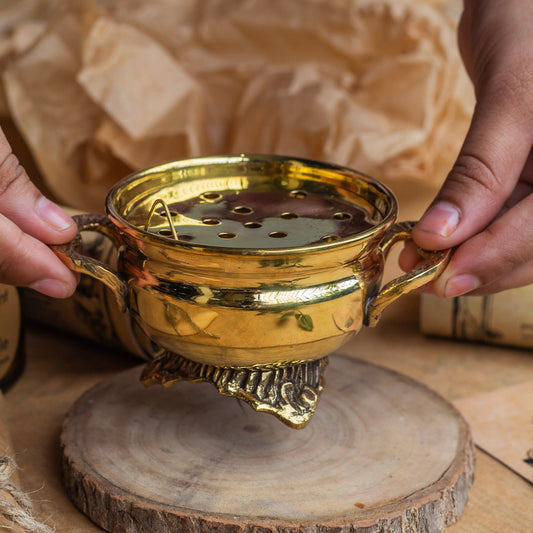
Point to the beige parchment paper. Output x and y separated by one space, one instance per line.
112 86
501 425
21 23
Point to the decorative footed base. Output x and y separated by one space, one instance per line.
291 393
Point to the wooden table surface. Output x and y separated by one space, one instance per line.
60 368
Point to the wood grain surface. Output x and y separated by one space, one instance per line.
382 453
61 368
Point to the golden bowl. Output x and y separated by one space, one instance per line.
250 263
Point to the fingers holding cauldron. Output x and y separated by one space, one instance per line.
484 207
28 222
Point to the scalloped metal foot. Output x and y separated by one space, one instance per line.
290 393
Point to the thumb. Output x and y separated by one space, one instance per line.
485 173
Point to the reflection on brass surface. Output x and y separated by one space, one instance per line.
88 265
248 261
291 393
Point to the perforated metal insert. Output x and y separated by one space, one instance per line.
258 219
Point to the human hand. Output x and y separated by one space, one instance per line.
484 207
28 222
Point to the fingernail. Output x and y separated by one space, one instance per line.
53 215
52 287
442 218
460 284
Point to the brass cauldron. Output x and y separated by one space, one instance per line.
248 270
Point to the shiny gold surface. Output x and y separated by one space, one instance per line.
251 261
93 267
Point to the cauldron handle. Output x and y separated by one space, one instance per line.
87 265
434 262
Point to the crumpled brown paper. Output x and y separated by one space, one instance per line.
21 23
112 86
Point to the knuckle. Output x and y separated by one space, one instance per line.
11 173
507 254
13 252
472 170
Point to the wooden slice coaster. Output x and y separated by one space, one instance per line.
382 454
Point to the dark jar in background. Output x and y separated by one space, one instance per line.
12 355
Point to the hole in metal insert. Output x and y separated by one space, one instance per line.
211 221
165 232
211 196
298 193
330 238
243 210
277 234
289 216
342 216
225 235
162 213
253 224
